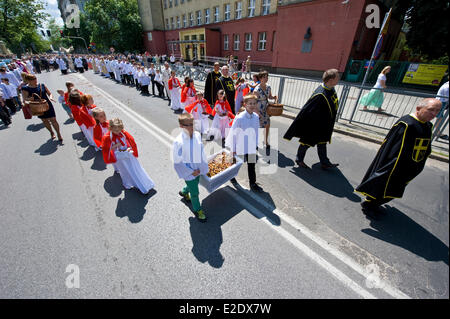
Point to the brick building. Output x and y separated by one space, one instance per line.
286 36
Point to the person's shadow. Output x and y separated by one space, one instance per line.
88 154
378 113
47 148
133 205
284 161
99 163
398 229
330 181
207 237
35 127
69 121
79 136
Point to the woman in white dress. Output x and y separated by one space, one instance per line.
375 96
120 148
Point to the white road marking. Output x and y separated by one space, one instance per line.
167 140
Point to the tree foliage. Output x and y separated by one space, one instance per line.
19 20
427 26
114 23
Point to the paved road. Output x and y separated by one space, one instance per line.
305 237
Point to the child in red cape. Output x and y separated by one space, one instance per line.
200 110
222 117
119 147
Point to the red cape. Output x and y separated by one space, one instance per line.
98 133
108 154
193 107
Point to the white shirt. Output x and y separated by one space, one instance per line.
443 91
158 78
143 78
8 91
189 155
243 136
172 59
166 74
78 63
381 77
11 78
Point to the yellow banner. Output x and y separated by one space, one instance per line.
425 74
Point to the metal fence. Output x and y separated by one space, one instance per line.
295 92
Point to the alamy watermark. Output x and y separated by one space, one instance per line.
73 279
73 17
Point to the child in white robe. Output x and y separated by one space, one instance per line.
190 162
201 110
120 148
222 117
175 92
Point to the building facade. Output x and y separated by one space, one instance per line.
283 35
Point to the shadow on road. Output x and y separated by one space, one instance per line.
378 113
284 161
330 181
133 205
88 154
47 148
79 136
207 237
113 185
99 163
35 127
398 229
69 121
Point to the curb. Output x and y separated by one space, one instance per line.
372 140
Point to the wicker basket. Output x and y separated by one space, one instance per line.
38 107
274 109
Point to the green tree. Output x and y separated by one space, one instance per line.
55 39
116 23
19 20
427 25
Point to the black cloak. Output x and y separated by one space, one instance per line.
399 160
227 84
211 87
315 122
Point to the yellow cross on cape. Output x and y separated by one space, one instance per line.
420 148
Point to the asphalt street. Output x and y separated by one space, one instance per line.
304 237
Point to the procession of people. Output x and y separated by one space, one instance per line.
220 112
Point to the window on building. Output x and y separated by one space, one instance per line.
251 8
176 2
207 16
227 13
262 41
199 17
216 14
167 24
306 46
237 42
225 42
201 37
248 41
191 19
172 22
165 4
170 3
184 21
265 7
181 1
178 23
238 11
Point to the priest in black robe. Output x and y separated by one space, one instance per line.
225 82
315 122
400 159
211 84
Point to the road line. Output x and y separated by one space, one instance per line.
167 140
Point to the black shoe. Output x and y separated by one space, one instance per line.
233 181
302 164
256 188
328 166
444 137
267 150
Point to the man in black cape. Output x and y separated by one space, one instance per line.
315 122
225 82
211 84
400 159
